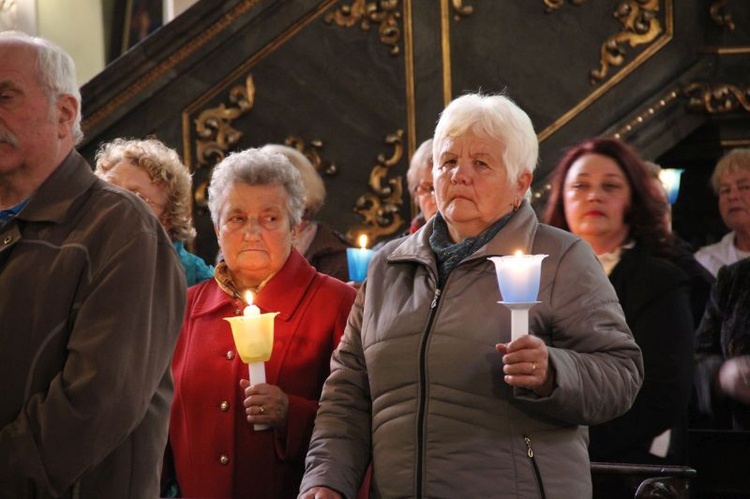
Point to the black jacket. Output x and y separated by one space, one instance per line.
724 333
655 297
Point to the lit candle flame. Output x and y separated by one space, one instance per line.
363 241
518 253
248 297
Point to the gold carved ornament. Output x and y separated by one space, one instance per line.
647 114
721 18
380 208
640 26
556 4
461 10
384 13
720 99
322 166
216 134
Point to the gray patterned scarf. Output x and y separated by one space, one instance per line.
449 254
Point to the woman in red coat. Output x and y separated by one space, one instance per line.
256 200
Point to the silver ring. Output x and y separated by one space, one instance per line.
261 409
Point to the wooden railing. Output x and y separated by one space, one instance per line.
718 468
641 481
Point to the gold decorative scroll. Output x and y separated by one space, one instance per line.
720 99
640 26
646 115
385 13
461 10
556 4
380 208
214 126
311 153
719 17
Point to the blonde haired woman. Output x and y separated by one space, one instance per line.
154 172
731 182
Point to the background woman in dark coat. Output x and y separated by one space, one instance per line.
601 191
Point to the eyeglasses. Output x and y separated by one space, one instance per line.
148 201
425 190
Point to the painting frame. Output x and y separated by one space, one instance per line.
133 21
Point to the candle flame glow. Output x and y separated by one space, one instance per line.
249 297
363 241
518 253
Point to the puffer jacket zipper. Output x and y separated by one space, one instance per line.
422 395
530 454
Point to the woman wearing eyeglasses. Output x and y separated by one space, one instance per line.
153 172
419 181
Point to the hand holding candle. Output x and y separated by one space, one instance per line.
358 260
253 337
518 277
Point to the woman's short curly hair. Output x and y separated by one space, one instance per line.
256 167
166 170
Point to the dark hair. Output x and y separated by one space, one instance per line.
646 211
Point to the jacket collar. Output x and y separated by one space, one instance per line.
518 234
726 250
52 200
283 293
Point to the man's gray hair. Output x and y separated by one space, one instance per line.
256 167
56 72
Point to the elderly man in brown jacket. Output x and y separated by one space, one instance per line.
91 300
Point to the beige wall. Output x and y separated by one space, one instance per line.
173 8
75 25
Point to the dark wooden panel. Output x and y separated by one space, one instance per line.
394 65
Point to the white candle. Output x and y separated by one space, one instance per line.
518 276
256 371
251 309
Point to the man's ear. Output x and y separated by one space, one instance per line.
67 112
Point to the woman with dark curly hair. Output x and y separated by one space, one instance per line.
601 191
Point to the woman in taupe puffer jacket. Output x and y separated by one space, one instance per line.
426 382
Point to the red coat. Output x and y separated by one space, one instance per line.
217 453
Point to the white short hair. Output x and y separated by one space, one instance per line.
495 117
56 72
256 167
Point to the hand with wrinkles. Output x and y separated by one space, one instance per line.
526 364
265 404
